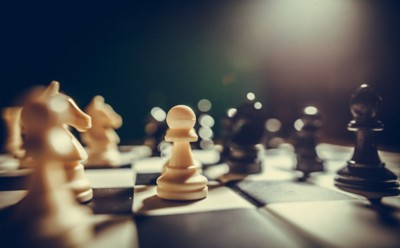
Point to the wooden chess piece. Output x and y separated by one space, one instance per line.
365 173
181 180
49 215
12 118
101 139
78 182
308 129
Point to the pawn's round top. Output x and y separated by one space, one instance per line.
181 117
365 102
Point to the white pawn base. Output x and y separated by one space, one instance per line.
182 184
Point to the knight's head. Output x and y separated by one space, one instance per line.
65 108
103 114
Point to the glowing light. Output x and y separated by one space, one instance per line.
310 110
158 114
231 112
204 105
205 133
206 144
258 105
250 96
206 121
273 125
298 124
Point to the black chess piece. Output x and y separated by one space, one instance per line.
308 131
247 131
365 173
226 133
155 129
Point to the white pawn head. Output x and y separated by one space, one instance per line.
181 117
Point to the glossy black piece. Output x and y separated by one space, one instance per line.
246 134
365 174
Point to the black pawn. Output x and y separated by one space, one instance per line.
247 131
307 136
226 133
365 173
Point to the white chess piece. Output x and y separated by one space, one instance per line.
181 180
12 118
74 169
49 215
101 139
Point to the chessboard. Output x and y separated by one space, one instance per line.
269 209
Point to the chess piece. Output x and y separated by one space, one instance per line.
226 133
365 173
49 215
181 180
101 139
244 144
82 122
308 131
155 129
12 117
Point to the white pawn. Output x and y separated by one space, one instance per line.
181 180
101 139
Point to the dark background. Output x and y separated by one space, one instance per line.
140 54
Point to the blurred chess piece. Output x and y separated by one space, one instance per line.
71 161
227 122
204 125
365 174
13 145
101 139
247 132
49 215
181 180
155 129
306 139
12 119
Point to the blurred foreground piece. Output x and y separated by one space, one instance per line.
365 174
49 216
72 151
181 180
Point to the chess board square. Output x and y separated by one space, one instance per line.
146 202
221 228
352 223
112 201
266 192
